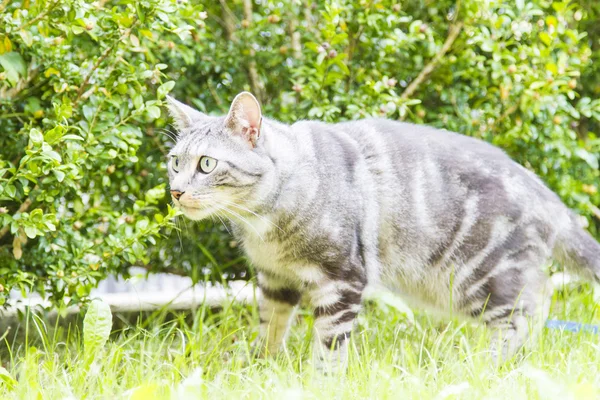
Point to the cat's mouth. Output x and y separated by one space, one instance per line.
196 213
184 207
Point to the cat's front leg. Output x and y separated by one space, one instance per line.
276 306
336 305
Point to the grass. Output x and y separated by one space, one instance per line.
202 355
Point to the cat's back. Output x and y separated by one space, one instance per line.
406 141
420 161
443 159
411 141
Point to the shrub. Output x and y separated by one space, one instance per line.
82 174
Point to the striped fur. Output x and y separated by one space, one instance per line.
448 222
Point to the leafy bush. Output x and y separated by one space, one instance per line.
82 177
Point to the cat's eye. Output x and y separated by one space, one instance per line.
175 163
207 164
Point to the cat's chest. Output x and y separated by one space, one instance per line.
270 254
265 255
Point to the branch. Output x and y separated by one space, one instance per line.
36 19
294 37
454 31
103 56
595 211
168 270
228 21
4 4
256 84
351 47
21 87
215 96
507 113
12 115
156 140
308 16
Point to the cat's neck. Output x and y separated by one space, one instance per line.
286 186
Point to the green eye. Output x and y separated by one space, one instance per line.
207 164
175 163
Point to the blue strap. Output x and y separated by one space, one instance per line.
572 326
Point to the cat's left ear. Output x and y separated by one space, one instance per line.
245 118
183 115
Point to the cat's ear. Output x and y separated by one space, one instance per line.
245 118
183 115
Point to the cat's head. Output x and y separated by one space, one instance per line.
218 166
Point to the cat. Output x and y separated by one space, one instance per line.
322 210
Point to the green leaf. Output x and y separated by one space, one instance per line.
153 112
164 89
142 224
7 379
88 112
53 155
31 232
36 136
155 194
53 135
590 158
10 190
36 215
487 46
27 37
14 66
72 137
97 325
60 176
140 12
545 37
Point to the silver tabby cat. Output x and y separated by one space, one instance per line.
323 210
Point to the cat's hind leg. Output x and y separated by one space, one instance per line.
521 318
514 302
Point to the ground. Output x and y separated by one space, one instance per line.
202 355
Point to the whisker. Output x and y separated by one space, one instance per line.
187 228
169 134
253 213
223 222
178 229
244 220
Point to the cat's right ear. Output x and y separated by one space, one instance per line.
183 115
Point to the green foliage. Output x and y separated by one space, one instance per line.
80 182
82 174
201 355
97 325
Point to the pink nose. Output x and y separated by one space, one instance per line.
177 194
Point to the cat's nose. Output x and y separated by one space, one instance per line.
177 194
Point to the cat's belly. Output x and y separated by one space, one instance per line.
422 287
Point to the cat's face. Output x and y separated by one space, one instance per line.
217 166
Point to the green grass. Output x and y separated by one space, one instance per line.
202 355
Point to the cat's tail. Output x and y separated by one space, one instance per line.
578 249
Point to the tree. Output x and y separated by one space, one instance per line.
82 172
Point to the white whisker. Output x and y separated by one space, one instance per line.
244 220
253 213
223 222
178 229
169 134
